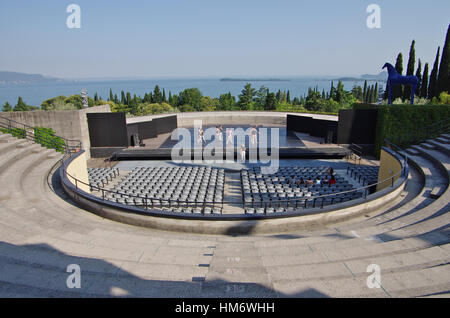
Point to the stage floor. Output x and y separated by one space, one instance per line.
273 139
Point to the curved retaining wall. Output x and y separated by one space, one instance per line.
231 118
230 224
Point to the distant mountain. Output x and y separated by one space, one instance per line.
381 77
22 78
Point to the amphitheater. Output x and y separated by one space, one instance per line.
325 250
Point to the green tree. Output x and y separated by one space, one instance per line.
357 92
123 99
432 89
111 96
410 70
365 92
7 107
397 90
424 84
157 95
443 80
226 101
21 106
129 100
260 97
191 97
164 99
332 91
419 76
246 97
340 94
375 93
271 101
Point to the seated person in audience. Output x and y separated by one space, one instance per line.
325 181
309 182
300 182
318 181
330 171
332 180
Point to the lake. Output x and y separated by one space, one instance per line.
35 94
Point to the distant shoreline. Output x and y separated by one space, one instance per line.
254 80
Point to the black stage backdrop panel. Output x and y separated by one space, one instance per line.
107 129
357 126
147 130
302 124
165 124
326 129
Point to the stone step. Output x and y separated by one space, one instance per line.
442 140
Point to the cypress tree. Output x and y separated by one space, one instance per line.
419 76
424 84
123 99
410 70
332 92
157 96
129 100
288 97
96 97
164 96
432 89
443 81
116 100
397 90
111 96
365 92
375 93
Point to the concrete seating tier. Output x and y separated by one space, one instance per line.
42 233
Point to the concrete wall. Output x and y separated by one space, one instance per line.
70 124
389 166
78 169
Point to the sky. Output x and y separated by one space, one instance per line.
211 38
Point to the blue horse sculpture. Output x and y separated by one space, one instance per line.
395 78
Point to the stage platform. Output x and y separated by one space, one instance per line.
289 145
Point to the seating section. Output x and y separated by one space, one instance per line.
280 192
174 189
365 175
99 177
